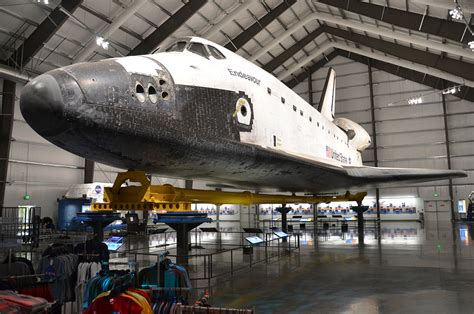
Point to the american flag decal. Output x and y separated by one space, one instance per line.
328 152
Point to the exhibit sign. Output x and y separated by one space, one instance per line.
280 234
462 206
254 240
114 243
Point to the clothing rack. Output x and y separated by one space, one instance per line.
185 309
167 289
21 276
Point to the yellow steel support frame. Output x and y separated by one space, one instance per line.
168 198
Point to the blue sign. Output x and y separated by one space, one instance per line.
98 189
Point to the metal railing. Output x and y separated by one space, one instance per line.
320 224
224 260
19 227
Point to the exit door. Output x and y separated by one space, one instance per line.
437 210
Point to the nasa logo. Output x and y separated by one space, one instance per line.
98 189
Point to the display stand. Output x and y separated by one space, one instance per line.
182 223
98 221
360 221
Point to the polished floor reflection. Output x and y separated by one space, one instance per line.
407 267
401 267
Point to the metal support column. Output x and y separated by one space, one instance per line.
218 224
310 87
88 171
374 137
448 152
360 221
284 223
6 126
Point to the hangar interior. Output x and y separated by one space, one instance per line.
405 73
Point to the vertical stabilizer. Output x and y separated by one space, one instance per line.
328 96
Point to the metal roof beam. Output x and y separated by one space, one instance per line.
168 27
288 53
363 27
409 74
284 76
435 61
229 17
431 25
239 41
295 80
110 29
44 31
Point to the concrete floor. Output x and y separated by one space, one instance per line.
410 268
407 267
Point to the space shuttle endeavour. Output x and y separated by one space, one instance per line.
200 111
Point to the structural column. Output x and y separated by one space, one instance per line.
374 136
448 151
284 224
6 126
360 221
88 171
310 88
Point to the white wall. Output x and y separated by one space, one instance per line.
407 135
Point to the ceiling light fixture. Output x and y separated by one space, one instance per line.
456 13
44 1
452 90
100 41
471 45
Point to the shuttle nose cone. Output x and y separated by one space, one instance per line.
41 104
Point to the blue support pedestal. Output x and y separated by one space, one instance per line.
182 223
98 221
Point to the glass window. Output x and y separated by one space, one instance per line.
177 46
199 49
216 53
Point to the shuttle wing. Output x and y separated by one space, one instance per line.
380 176
293 173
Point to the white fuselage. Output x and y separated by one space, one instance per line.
283 121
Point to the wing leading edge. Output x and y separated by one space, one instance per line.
381 177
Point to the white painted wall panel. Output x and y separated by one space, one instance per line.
411 152
409 125
404 138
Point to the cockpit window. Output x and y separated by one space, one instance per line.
199 49
216 53
177 46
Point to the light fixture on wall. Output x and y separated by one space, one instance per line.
415 100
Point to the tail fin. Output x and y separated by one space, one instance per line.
328 96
